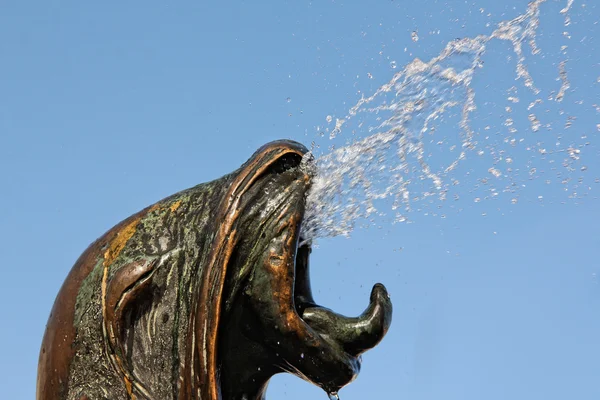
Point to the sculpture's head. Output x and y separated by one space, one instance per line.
206 295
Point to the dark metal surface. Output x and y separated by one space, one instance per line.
204 295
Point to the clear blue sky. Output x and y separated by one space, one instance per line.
107 107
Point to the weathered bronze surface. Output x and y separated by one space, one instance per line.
204 295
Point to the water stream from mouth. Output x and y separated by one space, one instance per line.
404 144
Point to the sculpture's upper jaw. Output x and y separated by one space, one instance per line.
302 338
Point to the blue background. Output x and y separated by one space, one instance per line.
106 107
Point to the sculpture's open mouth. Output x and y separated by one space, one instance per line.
306 339
347 337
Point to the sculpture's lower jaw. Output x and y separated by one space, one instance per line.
330 346
346 337
278 327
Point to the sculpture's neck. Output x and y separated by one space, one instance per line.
243 390
245 363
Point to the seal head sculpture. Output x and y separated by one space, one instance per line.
204 295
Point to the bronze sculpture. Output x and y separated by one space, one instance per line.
204 295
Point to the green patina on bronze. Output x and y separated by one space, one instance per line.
89 286
204 295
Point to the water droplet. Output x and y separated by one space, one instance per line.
289 99
393 64
301 355
329 118
535 123
495 172
414 36
333 396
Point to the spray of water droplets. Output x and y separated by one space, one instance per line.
384 166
